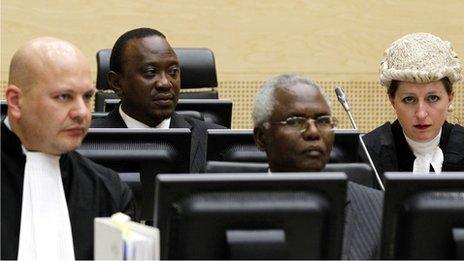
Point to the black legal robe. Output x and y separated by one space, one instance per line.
91 191
390 151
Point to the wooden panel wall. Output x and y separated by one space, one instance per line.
331 41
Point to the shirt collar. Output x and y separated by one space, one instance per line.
132 123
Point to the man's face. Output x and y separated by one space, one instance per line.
289 150
55 111
149 83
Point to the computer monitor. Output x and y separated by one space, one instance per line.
357 172
423 216
239 146
232 145
212 110
145 152
250 216
346 145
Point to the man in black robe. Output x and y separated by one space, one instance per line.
49 99
293 125
145 74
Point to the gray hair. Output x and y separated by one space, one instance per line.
265 100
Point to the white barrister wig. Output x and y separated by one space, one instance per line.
419 58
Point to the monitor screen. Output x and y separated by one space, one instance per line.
250 216
212 110
144 152
423 215
239 146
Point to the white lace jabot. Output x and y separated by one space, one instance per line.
426 153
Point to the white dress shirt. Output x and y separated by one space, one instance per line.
427 153
132 123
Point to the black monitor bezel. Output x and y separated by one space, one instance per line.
401 186
171 188
179 139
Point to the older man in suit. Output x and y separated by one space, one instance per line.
145 74
294 126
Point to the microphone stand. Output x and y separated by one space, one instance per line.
352 120
344 102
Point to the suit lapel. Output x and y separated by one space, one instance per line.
178 121
387 151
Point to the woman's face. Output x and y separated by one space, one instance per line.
421 108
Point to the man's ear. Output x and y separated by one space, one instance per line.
114 82
259 137
13 95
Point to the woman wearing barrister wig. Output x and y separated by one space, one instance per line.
419 71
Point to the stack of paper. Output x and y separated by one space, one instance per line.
118 238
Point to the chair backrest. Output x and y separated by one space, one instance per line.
101 96
360 173
197 66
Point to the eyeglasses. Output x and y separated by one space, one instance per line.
301 124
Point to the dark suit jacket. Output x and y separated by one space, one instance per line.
363 222
197 127
91 191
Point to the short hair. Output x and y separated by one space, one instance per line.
118 49
265 99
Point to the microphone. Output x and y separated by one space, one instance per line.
344 102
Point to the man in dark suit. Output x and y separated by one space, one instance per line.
50 194
293 125
145 74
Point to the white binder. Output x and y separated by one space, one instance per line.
118 238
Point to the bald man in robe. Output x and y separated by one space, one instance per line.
50 194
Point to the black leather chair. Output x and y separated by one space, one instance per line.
198 70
